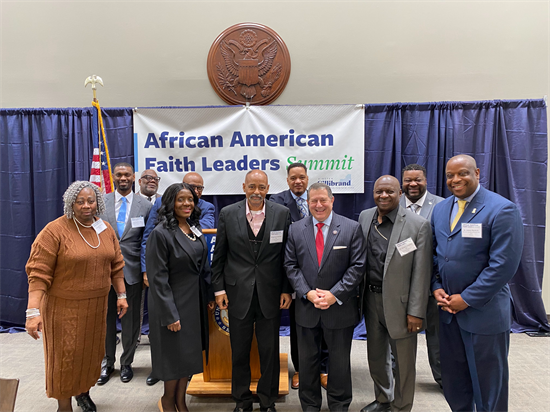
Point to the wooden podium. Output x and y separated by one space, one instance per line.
216 378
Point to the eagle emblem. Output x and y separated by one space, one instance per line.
249 66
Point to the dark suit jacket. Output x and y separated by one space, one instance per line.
428 206
206 221
234 267
478 269
341 270
285 198
130 242
406 282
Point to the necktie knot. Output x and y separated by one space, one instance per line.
461 205
414 207
320 225
302 207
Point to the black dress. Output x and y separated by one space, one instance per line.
179 277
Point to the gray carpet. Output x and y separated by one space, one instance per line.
23 358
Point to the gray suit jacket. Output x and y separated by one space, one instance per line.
428 206
406 283
341 270
130 243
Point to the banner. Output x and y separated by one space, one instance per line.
223 143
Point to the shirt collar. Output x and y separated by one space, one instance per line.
327 221
392 215
419 202
129 197
469 198
303 196
249 212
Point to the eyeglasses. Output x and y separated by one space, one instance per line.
197 188
150 178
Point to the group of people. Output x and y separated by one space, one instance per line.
413 262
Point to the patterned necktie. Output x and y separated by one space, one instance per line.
319 242
302 207
121 219
461 207
414 207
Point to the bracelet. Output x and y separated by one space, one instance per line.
32 313
121 295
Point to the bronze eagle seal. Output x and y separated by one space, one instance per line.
248 63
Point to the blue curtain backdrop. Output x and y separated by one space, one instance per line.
43 150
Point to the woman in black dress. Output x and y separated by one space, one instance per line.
179 277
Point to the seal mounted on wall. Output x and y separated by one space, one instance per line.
248 63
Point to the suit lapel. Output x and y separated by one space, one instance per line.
398 226
309 238
332 235
180 237
268 221
427 206
369 215
242 222
472 209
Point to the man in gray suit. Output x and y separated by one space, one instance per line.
394 293
325 262
417 199
127 214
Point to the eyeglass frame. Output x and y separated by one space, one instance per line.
150 178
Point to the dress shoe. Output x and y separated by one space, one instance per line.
269 409
377 407
151 381
106 372
324 380
85 402
126 373
295 384
241 409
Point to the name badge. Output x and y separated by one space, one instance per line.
405 247
99 226
196 231
276 236
138 222
471 230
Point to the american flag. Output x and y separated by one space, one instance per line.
100 174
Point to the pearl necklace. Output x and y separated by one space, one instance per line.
191 238
83 238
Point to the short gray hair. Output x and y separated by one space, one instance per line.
69 197
319 186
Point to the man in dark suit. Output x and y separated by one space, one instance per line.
248 277
478 242
417 199
394 294
127 214
324 262
295 198
148 185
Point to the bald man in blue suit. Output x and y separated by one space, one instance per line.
478 242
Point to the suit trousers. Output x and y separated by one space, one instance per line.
474 369
432 337
130 324
379 342
339 390
267 336
294 354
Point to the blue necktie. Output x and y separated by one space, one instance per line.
121 219
302 207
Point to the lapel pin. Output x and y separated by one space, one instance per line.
334 232
473 211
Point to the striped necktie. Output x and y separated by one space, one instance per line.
121 219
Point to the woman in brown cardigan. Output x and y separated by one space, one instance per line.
73 262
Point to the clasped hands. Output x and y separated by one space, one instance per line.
321 299
452 304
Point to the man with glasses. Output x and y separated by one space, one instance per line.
149 185
206 221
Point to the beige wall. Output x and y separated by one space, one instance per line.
154 53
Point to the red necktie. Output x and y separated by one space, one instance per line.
319 243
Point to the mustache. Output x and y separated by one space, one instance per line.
255 197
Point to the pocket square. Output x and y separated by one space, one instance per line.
339 247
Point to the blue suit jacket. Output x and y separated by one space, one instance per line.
206 221
285 198
478 269
341 271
